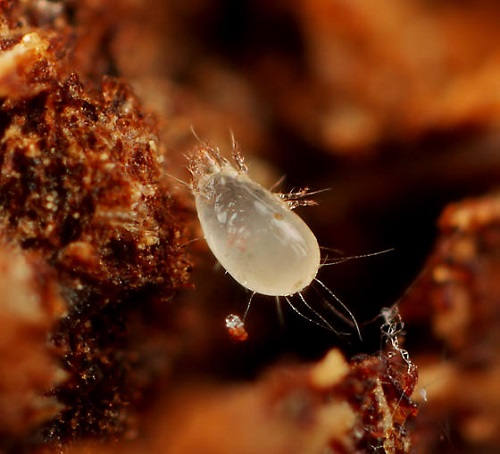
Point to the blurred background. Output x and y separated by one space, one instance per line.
393 107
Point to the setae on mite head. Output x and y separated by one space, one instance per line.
253 233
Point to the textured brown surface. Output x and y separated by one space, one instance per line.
81 191
455 302
303 409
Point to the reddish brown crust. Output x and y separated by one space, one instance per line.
81 190
455 302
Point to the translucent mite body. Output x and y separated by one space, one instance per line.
252 232
258 239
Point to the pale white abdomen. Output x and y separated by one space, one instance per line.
254 235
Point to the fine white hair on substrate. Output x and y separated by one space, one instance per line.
256 237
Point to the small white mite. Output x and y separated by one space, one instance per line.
255 235
252 232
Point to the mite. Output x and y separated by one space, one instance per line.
253 232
